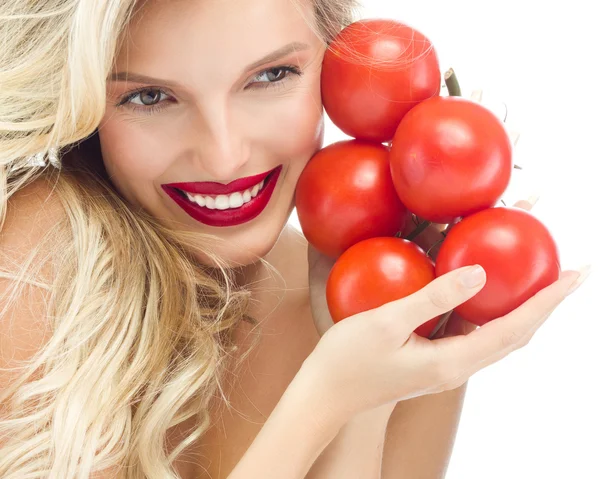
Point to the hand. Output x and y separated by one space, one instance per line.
319 267
374 358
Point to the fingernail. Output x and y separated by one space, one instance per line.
473 277
583 275
533 199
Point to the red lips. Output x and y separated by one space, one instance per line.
214 189
231 216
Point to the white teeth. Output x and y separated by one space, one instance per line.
199 199
221 202
225 202
236 200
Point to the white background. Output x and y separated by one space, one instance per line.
536 413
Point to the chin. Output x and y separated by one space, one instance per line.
248 247
244 245
238 255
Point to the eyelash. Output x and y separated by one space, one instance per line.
126 100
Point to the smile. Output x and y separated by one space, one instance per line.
215 204
225 202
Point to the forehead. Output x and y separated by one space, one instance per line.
198 28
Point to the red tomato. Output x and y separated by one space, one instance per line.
345 194
450 157
377 271
374 72
517 252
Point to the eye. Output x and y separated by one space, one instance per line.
149 100
276 76
149 97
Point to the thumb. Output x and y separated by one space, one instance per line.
442 295
319 267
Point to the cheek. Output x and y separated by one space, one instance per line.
298 130
129 152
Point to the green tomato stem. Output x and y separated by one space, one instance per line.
452 83
422 227
434 245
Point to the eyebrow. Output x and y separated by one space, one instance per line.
271 57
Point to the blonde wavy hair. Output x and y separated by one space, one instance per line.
141 332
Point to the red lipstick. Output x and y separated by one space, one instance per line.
230 216
213 189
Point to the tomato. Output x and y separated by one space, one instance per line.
345 194
450 157
517 252
373 73
377 271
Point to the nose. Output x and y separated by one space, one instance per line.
220 148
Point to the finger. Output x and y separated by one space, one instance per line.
527 204
524 205
439 297
463 376
499 337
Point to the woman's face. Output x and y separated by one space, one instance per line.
231 91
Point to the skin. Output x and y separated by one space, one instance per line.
219 123
217 130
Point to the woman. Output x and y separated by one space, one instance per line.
153 327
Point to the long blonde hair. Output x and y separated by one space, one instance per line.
140 330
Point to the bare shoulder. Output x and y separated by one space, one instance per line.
31 212
24 326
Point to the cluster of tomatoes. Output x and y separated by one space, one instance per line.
445 159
